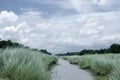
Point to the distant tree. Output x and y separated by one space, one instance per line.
35 49
45 51
9 43
27 47
68 53
114 48
83 52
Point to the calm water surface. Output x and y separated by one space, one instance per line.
66 71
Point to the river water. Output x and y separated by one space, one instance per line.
66 71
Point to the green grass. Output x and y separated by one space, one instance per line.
25 64
103 67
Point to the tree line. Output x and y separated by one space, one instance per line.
114 48
10 44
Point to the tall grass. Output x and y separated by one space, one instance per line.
104 67
25 64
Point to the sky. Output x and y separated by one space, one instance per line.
61 25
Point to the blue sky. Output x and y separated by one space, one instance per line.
61 25
52 7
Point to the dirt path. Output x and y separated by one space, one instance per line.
66 71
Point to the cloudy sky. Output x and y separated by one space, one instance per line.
61 25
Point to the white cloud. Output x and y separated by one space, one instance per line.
88 6
32 13
81 5
110 37
66 33
10 28
8 16
101 2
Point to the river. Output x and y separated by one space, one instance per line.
66 71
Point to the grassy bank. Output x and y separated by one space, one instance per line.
103 67
25 64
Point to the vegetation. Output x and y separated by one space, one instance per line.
103 66
19 62
114 48
45 51
25 64
10 44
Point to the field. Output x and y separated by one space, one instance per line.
25 64
103 67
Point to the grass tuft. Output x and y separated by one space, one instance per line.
25 64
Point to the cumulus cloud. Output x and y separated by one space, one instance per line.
7 16
10 28
86 6
62 34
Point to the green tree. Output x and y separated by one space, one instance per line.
114 48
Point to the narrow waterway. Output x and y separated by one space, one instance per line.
66 71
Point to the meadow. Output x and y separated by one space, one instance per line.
102 66
25 64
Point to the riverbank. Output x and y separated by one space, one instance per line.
103 66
